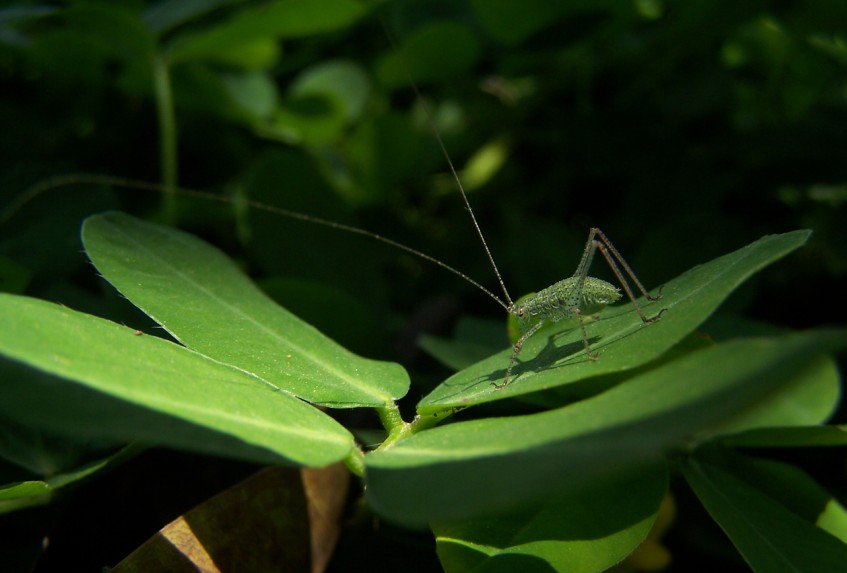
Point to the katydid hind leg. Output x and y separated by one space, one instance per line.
616 261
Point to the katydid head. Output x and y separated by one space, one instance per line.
524 313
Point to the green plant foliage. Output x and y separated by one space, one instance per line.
465 468
203 300
56 458
602 524
267 22
151 390
770 536
791 437
436 52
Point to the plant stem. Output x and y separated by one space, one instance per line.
398 429
392 421
390 417
355 462
167 135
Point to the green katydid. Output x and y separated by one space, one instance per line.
577 296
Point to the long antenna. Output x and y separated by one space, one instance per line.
96 179
431 122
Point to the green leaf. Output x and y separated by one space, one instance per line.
23 494
199 296
815 436
22 489
112 28
769 536
271 20
471 468
106 381
322 101
811 401
555 355
785 484
31 451
587 532
18 495
438 51
514 22
511 22
254 94
344 79
165 15
320 304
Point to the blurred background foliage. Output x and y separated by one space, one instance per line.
684 129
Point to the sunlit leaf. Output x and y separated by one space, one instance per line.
80 375
470 468
555 355
198 295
